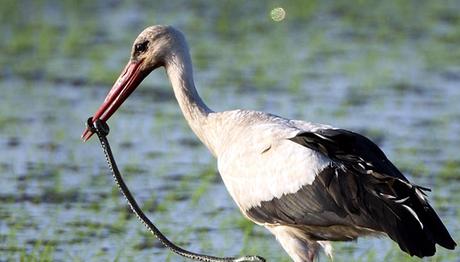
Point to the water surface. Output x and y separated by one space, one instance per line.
388 70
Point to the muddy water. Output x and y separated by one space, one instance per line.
393 77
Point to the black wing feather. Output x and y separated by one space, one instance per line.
379 179
361 188
350 150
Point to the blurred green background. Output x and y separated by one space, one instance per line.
388 69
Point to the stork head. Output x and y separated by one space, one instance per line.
153 46
150 50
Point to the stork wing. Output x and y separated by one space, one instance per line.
350 151
361 188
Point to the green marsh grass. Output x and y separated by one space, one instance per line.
364 65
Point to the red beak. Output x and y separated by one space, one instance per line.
129 79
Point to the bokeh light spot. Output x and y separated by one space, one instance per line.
278 14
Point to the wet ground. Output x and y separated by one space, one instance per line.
389 70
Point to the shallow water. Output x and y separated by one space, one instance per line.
387 71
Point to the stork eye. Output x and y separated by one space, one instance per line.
141 47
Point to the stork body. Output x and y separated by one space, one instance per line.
306 183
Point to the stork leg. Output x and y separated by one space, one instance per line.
297 245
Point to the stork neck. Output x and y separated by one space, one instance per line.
196 112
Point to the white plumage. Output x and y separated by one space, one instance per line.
258 162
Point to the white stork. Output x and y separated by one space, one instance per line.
307 183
